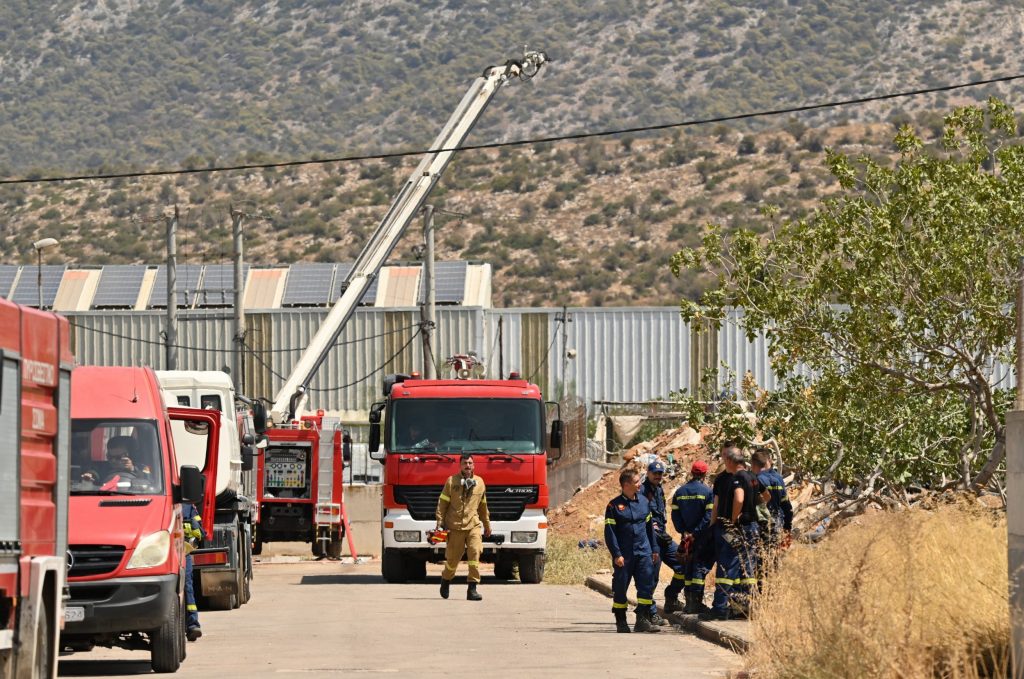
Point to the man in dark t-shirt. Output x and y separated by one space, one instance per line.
734 522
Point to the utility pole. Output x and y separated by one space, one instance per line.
565 320
237 218
171 336
1015 494
427 294
501 348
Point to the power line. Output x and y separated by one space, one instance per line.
545 359
522 142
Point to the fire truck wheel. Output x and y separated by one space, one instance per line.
245 559
257 542
43 661
531 569
334 548
392 566
166 641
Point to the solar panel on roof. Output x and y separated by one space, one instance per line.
450 282
119 286
343 270
308 285
218 287
8 272
27 292
187 276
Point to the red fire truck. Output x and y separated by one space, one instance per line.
35 359
428 425
299 481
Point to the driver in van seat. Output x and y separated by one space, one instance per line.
120 453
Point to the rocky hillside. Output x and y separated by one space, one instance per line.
115 84
582 223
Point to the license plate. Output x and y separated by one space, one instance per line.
74 614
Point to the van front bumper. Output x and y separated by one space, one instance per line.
120 605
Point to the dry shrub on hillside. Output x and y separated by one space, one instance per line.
567 564
893 595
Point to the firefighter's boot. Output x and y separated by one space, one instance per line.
472 594
672 605
657 619
643 621
693 603
445 586
621 626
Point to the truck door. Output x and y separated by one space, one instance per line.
197 437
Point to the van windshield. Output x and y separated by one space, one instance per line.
115 457
462 425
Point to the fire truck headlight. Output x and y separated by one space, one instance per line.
522 536
151 551
407 536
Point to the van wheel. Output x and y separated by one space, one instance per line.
392 566
531 569
503 568
43 661
166 642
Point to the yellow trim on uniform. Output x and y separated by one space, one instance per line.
676 576
726 581
473 563
609 522
710 505
648 518
696 581
191 607
747 581
689 497
620 605
445 498
645 602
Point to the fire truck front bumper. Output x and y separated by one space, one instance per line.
119 605
527 534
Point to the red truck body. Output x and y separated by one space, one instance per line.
34 415
299 486
501 423
127 549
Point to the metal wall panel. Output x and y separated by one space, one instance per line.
741 355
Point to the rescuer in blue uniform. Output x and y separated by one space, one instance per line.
193 526
629 534
667 548
691 516
779 506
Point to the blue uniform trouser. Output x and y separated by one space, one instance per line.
671 557
701 560
737 567
640 568
191 610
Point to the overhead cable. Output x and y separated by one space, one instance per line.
521 142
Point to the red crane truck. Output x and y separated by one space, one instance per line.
126 570
299 480
428 425
35 375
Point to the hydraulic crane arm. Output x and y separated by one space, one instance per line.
290 400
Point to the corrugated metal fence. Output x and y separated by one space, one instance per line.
605 354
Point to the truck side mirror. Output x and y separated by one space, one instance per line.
375 411
248 456
191 485
556 438
346 448
375 442
259 417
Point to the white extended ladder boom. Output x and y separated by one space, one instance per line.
290 400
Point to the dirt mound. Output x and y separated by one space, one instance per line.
583 515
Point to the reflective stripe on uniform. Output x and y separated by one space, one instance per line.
709 505
644 602
191 607
648 517
620 605
676 576
726 581
746 581
696 581
609 522
445 498
473 563
689 497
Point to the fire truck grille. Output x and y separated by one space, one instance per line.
94 559
505 503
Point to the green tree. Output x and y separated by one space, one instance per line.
888 307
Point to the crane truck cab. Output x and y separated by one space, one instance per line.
427 426
223 565
126 554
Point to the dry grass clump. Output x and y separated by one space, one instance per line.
894 595
567 564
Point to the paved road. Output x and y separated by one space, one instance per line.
329 619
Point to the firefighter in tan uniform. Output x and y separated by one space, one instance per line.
462 510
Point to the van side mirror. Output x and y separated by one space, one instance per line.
191 485
346 448
556 438
259 417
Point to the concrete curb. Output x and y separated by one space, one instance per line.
706 630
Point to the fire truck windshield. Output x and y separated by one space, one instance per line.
115 457
466 425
